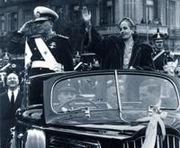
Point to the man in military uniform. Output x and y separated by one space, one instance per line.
45 51
160 55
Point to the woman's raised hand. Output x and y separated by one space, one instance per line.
86 15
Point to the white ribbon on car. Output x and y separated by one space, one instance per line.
151 132
35 139
49 60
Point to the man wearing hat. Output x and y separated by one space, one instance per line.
45 51
160 55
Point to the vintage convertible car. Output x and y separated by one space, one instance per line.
100 109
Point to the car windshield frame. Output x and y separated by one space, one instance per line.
86 112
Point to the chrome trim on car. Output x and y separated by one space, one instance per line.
170 141
56 142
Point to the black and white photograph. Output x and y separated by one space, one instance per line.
89 73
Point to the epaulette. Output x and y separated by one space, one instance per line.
62 36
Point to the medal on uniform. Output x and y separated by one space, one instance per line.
52 45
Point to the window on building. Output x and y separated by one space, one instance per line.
75 13
130 8
2 23
60 10
12 21
27 15
155 12
107 13
149 11
172 13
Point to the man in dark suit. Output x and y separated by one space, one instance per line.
10 101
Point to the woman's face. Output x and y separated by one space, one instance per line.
125 30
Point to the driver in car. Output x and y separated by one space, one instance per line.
112 93
150 95
65 93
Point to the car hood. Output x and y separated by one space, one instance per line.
130 129
109 131
113 131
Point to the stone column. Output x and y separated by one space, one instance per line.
119 10
139 11
177 14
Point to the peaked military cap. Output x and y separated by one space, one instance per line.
42 13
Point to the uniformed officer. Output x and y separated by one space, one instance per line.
45 51
160 55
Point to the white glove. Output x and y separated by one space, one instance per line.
57 67
86 15
25 27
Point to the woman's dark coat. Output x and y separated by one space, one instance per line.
111 52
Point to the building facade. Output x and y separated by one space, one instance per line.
147 14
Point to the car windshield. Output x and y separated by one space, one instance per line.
111 97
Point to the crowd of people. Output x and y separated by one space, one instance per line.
46 51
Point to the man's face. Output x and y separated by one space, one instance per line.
41 27
12 81
111 92
125 30
65 96
159 44
112 96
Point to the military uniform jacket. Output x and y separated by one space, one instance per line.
161 60
58 45
111 52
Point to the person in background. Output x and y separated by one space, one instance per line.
45 51
2 82
10 101
161 56
118 52
5 60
